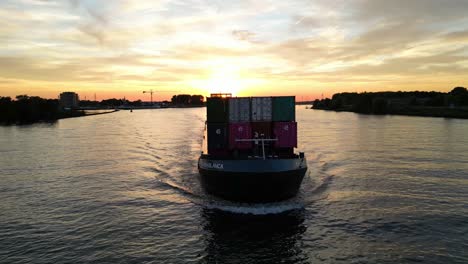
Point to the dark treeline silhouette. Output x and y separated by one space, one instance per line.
29 109
451 104
24 109
187 100
110 103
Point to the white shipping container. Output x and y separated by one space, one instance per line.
261 108
239 109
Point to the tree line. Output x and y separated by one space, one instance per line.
180 99
451 104
24 109
29 109
110 103
187 99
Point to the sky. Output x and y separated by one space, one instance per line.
120 48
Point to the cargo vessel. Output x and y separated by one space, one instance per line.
248 149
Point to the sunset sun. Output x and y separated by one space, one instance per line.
224 80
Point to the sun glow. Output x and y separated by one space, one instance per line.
221 80
224 80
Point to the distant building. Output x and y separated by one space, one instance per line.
69 100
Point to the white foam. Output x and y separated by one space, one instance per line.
255 209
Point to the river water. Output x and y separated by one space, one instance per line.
123 188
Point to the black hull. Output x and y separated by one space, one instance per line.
252 187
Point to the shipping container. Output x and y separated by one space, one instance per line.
239 109
217 136
284 108
262 130
261 108
240 131
286 133
217 110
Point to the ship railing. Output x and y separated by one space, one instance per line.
256 140
221 95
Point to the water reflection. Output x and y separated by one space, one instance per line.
123 188
245 238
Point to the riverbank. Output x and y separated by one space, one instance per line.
444 112
93 113
453 104
64 115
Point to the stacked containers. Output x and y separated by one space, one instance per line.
286 134
216 110
217 136
261 109
240 130
239 123
284 109
261 117
230 119
239 109
262 130
284 125
217 118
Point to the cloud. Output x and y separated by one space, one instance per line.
457 36
430 11
299 43
243 35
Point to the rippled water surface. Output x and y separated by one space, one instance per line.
123 188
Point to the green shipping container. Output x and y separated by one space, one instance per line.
284 108
217 110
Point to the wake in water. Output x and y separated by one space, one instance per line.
310 192
181 176
183 190
253 209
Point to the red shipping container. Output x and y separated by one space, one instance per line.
286 133
240 131
259 128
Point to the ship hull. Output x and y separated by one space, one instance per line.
252 181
